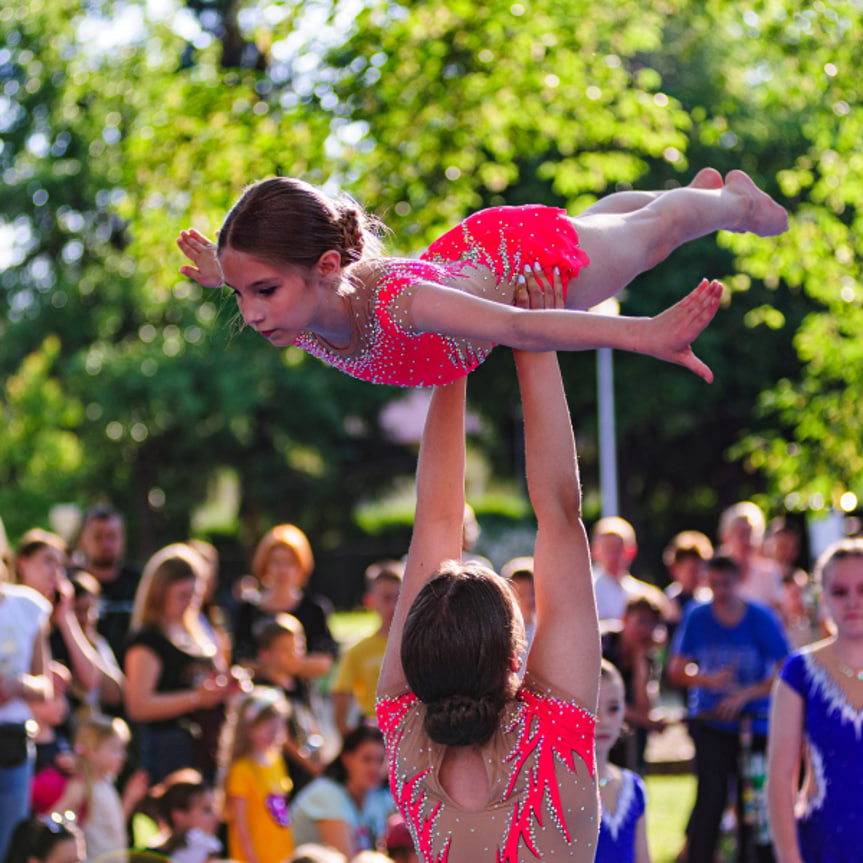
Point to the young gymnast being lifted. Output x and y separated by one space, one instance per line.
306 271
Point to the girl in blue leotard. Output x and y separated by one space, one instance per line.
817 708
622 828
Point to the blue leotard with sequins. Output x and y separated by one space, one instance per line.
830 828
617 830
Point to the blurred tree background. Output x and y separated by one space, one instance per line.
122 122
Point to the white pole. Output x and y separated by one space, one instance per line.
607 437
607 433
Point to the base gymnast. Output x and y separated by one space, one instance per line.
483 765
306 270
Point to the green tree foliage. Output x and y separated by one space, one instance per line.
423 111
106 153
812 57
467 105
40 452
507 104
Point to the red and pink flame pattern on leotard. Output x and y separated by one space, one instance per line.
548 730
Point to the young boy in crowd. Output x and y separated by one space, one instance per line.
519 572
356 679
613 548
282 662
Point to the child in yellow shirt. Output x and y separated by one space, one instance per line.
256 782
358 670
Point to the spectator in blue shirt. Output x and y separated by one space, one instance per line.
725 653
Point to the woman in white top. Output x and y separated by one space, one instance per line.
24 659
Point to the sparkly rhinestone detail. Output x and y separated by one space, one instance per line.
480 256
531 808
389 352
504 239
550 729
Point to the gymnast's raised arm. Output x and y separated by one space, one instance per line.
437 532
566 649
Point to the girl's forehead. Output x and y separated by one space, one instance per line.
610 685
845 569
44 552
66 851
184 583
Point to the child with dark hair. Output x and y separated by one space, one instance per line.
282 662
305 270
726 654
347 808
184 808
52 839
684 559
633 650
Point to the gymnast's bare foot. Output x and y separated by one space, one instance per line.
707 178
760 213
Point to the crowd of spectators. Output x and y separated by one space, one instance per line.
716 638
138 712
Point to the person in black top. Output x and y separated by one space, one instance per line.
633 649
176 683
100 549
282 564
282 662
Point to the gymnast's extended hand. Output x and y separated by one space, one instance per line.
669 335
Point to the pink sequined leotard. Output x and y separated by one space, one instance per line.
480 256
542 801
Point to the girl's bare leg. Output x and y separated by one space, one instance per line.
626 202
623 244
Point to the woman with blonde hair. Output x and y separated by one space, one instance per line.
176 682
282 564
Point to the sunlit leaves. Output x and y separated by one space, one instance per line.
462 99
40 452
423 111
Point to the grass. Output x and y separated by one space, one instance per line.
349 626
669 802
